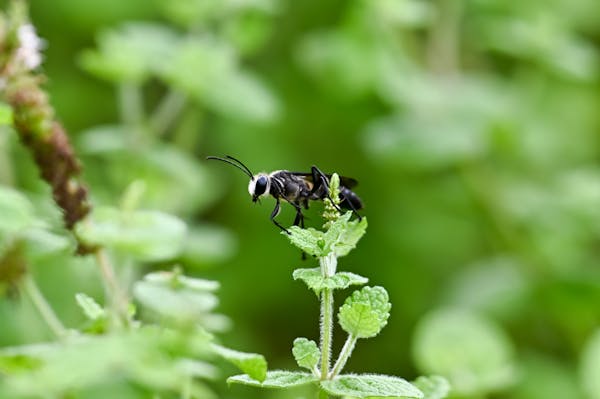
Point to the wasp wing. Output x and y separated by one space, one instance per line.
347 182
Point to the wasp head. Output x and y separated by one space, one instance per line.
259 186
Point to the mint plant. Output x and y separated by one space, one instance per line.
150 337
363 315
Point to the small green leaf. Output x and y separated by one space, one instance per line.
90 307
143 235
371 385
275 379
177 280
314 279
306 352
176 298
472 352
341 237
343 234
254 365
433 387
308 240
365 312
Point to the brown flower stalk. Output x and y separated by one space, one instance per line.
34 119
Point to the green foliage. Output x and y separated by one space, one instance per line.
365 313
146 356
275 379
471 126
306 352
340 238
16 212
315 280
144 235
254 365
6 117
90 307
472 352
589 366
433 387
371 385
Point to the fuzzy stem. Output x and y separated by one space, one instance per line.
132 108
114 292
328 266
43 307
344 356
166 112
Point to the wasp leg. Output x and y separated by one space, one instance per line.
299 220
320 180
352 207
275 213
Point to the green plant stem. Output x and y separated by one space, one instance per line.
326 330
186 390
328 266
43 307
322 394
344 356
131 104
115 294
166 112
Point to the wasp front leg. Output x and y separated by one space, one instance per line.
275 213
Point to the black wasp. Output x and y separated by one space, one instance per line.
297 188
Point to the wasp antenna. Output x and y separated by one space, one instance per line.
241 167
240 163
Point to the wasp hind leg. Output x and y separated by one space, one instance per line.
320 180
275 213
350 205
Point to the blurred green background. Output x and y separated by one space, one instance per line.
473 128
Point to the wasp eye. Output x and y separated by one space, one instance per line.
261 186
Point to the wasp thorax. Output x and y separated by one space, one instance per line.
259 186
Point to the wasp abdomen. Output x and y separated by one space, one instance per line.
349 200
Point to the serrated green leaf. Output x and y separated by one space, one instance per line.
314 279
472 352
275 379
341 237
306 352
143 235
253 364
90 307
308 240
343 234
365 312
371 385
433 387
